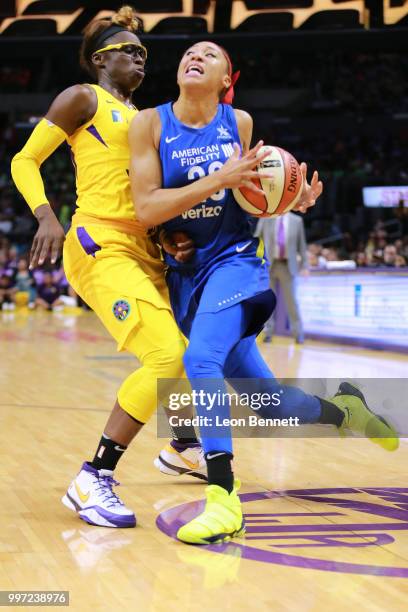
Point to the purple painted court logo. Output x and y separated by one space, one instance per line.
121 309
317 529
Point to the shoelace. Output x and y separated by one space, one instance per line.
105 484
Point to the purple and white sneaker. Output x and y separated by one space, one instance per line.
90 495
178 458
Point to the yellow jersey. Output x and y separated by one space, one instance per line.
100 154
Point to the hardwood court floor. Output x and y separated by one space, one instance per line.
337 539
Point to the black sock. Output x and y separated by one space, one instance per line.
330 413
181 433
107 454
220 470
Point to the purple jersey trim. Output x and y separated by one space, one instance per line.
90 247
92 130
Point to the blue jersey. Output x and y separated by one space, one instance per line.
228 260
188 154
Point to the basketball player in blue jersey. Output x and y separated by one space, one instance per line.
185 159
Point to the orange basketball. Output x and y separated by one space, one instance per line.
281 192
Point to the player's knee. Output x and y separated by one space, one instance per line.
202 362
168 360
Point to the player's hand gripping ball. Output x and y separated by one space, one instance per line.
281 191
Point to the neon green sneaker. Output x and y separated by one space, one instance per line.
359 418
221 520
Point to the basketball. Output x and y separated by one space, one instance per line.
281 192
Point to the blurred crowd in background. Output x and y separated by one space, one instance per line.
45 288
377 250
353 82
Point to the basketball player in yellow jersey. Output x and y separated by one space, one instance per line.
108 257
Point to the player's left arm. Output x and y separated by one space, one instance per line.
310 192
245 126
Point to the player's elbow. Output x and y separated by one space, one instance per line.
13 167
16 162
20 160
144 211
19 165
143 216
22 156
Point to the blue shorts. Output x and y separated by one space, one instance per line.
237 276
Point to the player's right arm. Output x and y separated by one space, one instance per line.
71 109
155 205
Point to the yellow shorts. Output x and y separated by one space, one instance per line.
112 271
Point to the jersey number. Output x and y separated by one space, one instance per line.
199 172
